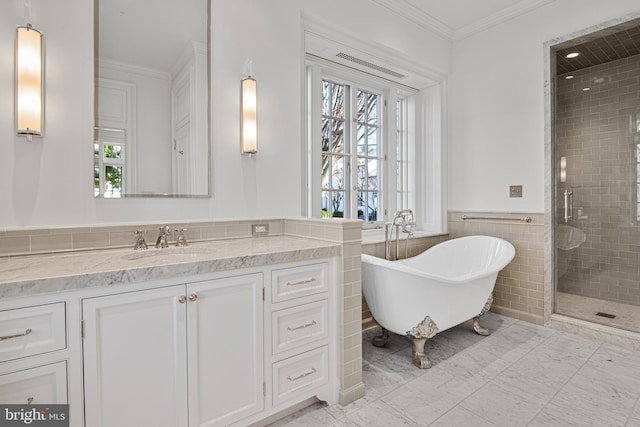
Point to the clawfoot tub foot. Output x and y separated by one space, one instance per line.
479 329
381 340
418 356
420 334
476 325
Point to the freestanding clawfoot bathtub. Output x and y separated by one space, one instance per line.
442 287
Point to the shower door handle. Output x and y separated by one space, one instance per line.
568 205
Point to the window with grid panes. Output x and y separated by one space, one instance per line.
109 162
351 151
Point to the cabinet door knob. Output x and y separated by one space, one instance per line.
29 400
182 299
193 297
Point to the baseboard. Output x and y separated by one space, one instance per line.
527 317
351 394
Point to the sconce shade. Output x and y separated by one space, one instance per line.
248 111
28 89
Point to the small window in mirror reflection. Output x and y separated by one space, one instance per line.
109 162
113 181
113 151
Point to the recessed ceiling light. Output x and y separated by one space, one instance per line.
572 55
569 77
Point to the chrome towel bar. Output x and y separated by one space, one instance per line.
522 219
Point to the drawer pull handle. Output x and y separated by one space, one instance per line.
306 325
302 282
8 337
305 374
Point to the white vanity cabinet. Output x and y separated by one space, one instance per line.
182 355
38 385
32 339
301 333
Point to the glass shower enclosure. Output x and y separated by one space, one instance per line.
597 177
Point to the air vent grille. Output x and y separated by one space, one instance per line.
370 65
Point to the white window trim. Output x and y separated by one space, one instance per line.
427 127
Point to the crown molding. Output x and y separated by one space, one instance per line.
499 17
419 17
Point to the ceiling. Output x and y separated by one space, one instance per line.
604 46
457 19
133 33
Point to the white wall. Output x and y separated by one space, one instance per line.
49 181
497 105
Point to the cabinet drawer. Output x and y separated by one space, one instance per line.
41 386
32 330
299 325
299 375
297 282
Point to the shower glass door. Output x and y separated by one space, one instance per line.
597 149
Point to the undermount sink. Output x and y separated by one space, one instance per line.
172 252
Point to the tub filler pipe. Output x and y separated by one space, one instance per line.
401 220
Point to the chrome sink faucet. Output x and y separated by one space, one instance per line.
181 241
163 234
140 242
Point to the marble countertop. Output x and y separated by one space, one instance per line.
39 274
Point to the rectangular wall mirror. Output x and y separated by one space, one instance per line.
151 134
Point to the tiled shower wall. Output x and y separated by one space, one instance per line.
596 132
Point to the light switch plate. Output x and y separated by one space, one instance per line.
515 191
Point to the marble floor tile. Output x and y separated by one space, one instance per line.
379 380
312 416
502 407
459 416
524 386
419 408
634 416
557 416
615 366
372 353
376 414
596 400
520 375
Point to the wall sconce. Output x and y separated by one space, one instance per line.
29 82
248 117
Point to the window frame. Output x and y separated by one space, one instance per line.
427 129
111 137
318 70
